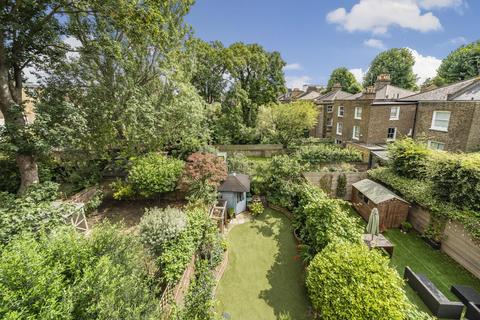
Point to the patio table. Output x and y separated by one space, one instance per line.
379 241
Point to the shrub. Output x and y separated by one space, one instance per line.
349 281
202 175
239 163
157 226
456 179
65 275
256 207
32 212
148 175
280 179
408 158
327 153
341 190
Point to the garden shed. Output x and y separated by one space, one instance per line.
367 194
234 190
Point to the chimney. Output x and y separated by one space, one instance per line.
336 87
369 93
382 80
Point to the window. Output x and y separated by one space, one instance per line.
358 113
394 113
329 122
363 197
440 120
339 128
240 197
391 134
329 108
434 145
356 132
341 111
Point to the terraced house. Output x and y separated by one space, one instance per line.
448 118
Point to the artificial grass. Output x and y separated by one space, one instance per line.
264 278
410 250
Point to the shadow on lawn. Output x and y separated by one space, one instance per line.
286 297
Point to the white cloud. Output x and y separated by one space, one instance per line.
435 4
457 41
293 67
425 66
297 81
74 43
377 16
374 43
358 73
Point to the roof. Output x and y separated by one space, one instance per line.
392 92
463 90
310 95
236 182
375 191
334 95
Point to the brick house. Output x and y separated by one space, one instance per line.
29 106
374 116
448 118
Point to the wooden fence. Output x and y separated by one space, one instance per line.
252 150
328 181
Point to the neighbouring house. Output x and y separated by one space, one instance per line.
448 118
374 116
29 113
234 190
392 209
325 111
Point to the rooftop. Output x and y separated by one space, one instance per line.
236 182
466 90
375 191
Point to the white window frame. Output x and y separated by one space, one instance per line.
341 111
329 122
329 108
394 134
339 132
358 113
443 129
431 142
396 116
356 129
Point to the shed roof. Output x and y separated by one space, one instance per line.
375 191
236 182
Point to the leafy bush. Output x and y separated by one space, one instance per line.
456 179
32 212
10 177
327 153
256 207
202 175
280 179
409 158
341 190
239 163
65 275
157 226
148 175
349 281
421 192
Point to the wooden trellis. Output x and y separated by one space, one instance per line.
219 213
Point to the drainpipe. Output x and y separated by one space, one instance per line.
415 119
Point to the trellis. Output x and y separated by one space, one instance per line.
219 213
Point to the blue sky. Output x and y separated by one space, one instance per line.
316 36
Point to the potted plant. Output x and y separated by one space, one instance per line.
406 227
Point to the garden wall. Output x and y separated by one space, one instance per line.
253 150
328 181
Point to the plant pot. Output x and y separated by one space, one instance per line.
296 236
432 243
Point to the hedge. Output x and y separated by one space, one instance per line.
327 153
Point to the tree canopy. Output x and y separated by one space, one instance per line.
345 78
461 64
397 62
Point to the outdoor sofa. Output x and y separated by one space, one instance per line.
471 298
435 300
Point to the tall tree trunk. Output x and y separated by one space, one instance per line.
10 97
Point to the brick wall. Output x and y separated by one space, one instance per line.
379 122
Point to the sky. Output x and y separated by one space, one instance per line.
316 36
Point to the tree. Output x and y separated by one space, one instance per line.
259 73
349 281
461 64
397 62
286 123
123 48
346 79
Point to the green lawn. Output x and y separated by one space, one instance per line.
263 279
410 250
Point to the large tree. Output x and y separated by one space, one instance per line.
461 64
397 62
346 79
124 48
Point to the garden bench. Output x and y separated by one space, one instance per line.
471 298
436 301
